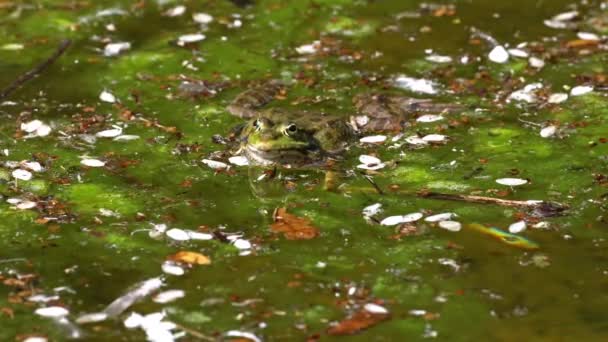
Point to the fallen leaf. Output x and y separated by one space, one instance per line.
293 227
191 258
357 322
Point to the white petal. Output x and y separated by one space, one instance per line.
172 269
372 210
536 62
35 339
499 55
114 49
191 38
375 308
308 49
439 59
133 321
566 16
25 205
588 36
242 244
43 130
415 140
557 98
31 126
175 11
169 296
452 226
370 160
517 227
548 131
511 181
22 174
214 164
52 312
440 217
393 220
202 18
178 234
244 334
199 236
371 167
126 137
581 90
418 85
108 97
34 166
373 139
92 163
434 138
519 53
109 133
239 160
92 318
429 118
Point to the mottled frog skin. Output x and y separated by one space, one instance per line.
299 138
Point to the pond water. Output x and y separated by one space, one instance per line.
110 195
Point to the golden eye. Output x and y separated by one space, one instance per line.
292 128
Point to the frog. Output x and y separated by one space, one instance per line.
303 138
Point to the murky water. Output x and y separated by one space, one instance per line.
85 238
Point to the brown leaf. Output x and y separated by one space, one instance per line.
192 258
581 43
359 321
293 227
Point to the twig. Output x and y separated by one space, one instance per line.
540 208
16 84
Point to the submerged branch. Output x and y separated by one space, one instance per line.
21 80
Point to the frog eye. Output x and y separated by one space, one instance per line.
291 128
257 124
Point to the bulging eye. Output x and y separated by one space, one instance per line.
292 128
257 124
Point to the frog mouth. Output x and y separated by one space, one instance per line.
285 156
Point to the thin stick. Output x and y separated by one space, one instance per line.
63 46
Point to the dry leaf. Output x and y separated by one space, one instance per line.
359 321
293 227
581 43
191 258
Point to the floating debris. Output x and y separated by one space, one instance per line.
429 118
549 131
175 11
373 139
154 325
580 90
499 55
518 53
172 268
517 227
92 318
239 160
214 164
562 20
190 38
395 220
439 59
375 309
92 163
108 97
22 174
440 217
26 205
241 244
36 128
109 133
202 18
243 334
168 296
126 137
434 138
114 49
52 312
417 85
557 98
511 181
453 226
370 163
588 36
177 234
416 140
137 293
308 49
526 94
372 210
536 62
